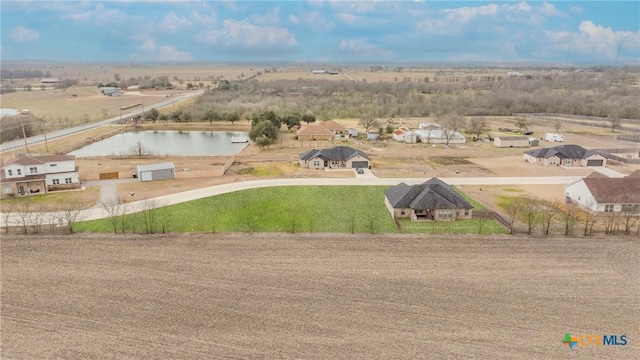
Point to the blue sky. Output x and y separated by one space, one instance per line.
321 31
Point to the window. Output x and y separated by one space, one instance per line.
55 181
67 180
53 165
19 171
608 208
33 170
445 214
466 212
10 172
7 190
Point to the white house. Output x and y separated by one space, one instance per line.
39 174
440 137
607 195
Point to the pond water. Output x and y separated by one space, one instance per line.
168 143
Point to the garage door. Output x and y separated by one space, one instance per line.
594 162
360 164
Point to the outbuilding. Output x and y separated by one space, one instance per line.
511 141
152 172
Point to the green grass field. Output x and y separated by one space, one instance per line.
471 226
339 209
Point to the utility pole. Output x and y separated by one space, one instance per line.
24 135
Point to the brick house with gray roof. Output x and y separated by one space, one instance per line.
339 157
431 200
565 155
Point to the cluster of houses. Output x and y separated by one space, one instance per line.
428 133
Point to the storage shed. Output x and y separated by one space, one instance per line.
161 171
511 141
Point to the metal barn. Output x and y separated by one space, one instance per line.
152 172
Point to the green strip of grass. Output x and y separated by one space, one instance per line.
471 226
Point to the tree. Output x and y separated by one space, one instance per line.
291 121
570 218
530 208
263 133
557 125
71 212
113 208
451 125
614 123
513 209
152 115
138 149
548 212
210 115
232 117
269 116
368 121
148 210
308 118
477 126
521 123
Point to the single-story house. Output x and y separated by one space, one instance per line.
334 127
39 174
339 157
429 126
160 171
50 81
565 155
511 141
431 200
404 134
439 137
314 133
607 195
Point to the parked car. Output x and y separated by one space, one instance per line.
360 171
527 133
504 129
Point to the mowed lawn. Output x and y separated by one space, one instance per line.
342 209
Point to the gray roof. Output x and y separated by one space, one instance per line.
433 194
159 166
338 153
563 152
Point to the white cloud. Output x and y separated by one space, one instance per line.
576 9
316 21
23 34
100 14
362 47
271 18
149 45
294 20
465 14
245 35
169 53
548 9
206 19
173 22
596 40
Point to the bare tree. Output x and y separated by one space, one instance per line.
38 216
451 125
557 125
521 122
138 149
477 126
630 217
22 211
570 218
614 123
590 217
112 208
548 213
513 209
368 121
529 208
71 213
149 214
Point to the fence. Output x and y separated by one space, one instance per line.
632 156
632 138
582 120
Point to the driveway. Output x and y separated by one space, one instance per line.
107 189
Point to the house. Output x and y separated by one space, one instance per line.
607 195
39 174
403 134
565 155
439 137
339 157
511 141
113 92
160 171
319 72
314 133
334 127
431 200
50 81
429 126
554 137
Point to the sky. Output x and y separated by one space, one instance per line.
323 31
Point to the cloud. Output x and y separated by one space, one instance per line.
210 19
294 20
315 21
149 45
172 22
362 47
271 18
23 34
548 9
100 14
169 53
596 40
247 36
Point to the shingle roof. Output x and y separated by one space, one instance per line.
332 125
433 194
40 159
563 152
314 130
512 138
614 190
338 153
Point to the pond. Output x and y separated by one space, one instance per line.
182 143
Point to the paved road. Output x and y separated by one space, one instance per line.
171 199
38 139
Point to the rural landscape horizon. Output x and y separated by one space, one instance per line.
319 179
